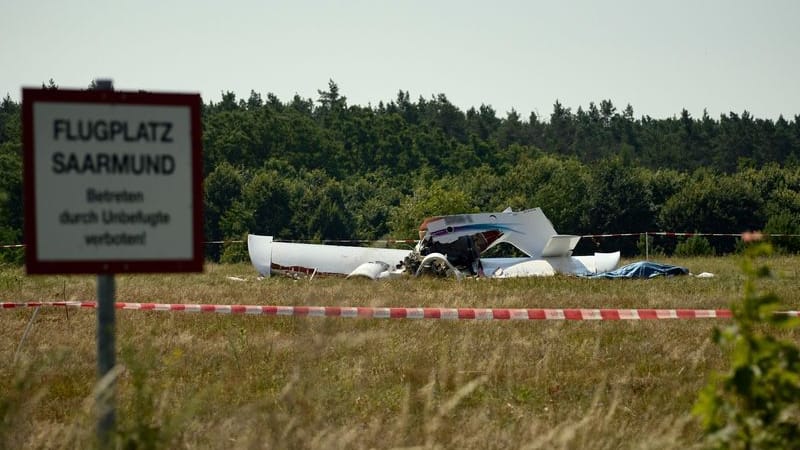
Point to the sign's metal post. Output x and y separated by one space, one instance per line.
105 399
106 360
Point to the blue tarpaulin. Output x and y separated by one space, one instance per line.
643 269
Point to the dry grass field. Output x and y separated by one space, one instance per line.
200 380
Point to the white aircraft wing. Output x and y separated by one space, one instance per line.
268 255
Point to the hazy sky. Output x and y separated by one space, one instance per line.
659 56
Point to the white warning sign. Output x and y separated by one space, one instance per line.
112 181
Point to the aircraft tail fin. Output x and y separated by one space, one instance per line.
260 250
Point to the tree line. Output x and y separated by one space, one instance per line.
323 169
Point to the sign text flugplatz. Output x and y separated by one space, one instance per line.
112 181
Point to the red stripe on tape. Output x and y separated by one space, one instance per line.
647 314
464 313
501 314
728 314
609 314
536 314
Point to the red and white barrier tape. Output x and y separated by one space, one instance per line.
414 313
611 235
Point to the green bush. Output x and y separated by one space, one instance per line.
756 403
11 255
785 223
713 203
235 251
647 247
694 246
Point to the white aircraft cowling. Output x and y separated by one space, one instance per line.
375 270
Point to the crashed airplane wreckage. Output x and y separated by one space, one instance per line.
448 245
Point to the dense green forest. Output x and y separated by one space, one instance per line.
321 169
